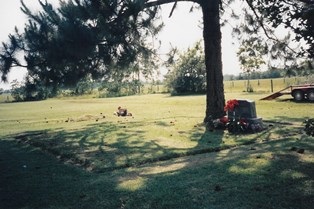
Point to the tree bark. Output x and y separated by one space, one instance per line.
215 98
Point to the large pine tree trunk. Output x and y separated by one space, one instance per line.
215 99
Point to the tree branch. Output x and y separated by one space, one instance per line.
161 2
263 26
307 1
174 6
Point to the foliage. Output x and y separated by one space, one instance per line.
296 15
120 88
84 86
309 127
267 21
250 54
17 91
28 91
81 38
304 69
188 74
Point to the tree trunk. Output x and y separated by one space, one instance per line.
215 98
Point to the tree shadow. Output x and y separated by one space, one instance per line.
268 175
292 100
31 179
127 171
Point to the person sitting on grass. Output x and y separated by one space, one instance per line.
122 112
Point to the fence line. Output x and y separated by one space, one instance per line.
265 85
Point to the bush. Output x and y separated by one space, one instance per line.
29 91
84 86
187 75
309 127
120 88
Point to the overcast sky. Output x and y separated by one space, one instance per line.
181 30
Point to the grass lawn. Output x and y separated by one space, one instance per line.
74 153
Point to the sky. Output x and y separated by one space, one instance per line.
182 30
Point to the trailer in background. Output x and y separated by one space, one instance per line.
298 92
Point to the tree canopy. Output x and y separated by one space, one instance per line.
80 38
297 15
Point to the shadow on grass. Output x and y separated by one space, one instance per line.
292 100
290 120
31 179
109 146
271 174
262 170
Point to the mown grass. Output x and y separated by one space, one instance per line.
161 157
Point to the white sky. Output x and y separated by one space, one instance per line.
181 30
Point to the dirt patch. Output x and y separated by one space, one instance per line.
86 118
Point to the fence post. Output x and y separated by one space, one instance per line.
271 85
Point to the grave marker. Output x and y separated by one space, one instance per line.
246 109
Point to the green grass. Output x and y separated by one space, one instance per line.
162 157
